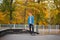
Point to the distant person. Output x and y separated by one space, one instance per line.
31 23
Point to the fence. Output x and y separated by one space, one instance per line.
22 26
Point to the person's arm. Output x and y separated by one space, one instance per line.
33 20
28 20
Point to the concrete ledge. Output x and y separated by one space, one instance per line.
13 31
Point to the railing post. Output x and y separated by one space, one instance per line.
37 28
25 26
57 28
43 27
14 26
49 27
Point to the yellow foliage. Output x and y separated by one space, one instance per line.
30 6
1 16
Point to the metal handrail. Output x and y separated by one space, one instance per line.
37 27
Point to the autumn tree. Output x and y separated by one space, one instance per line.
6 8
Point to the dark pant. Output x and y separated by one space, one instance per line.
31 28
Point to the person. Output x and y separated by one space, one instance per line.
31 23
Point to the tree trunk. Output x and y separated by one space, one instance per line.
38 1
11 1
25 11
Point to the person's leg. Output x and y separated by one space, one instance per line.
30 28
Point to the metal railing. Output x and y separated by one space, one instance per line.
22 26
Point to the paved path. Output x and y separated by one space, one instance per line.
30 37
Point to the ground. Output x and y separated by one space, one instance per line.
45 34
30 37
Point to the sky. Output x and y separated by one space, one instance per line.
1 1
